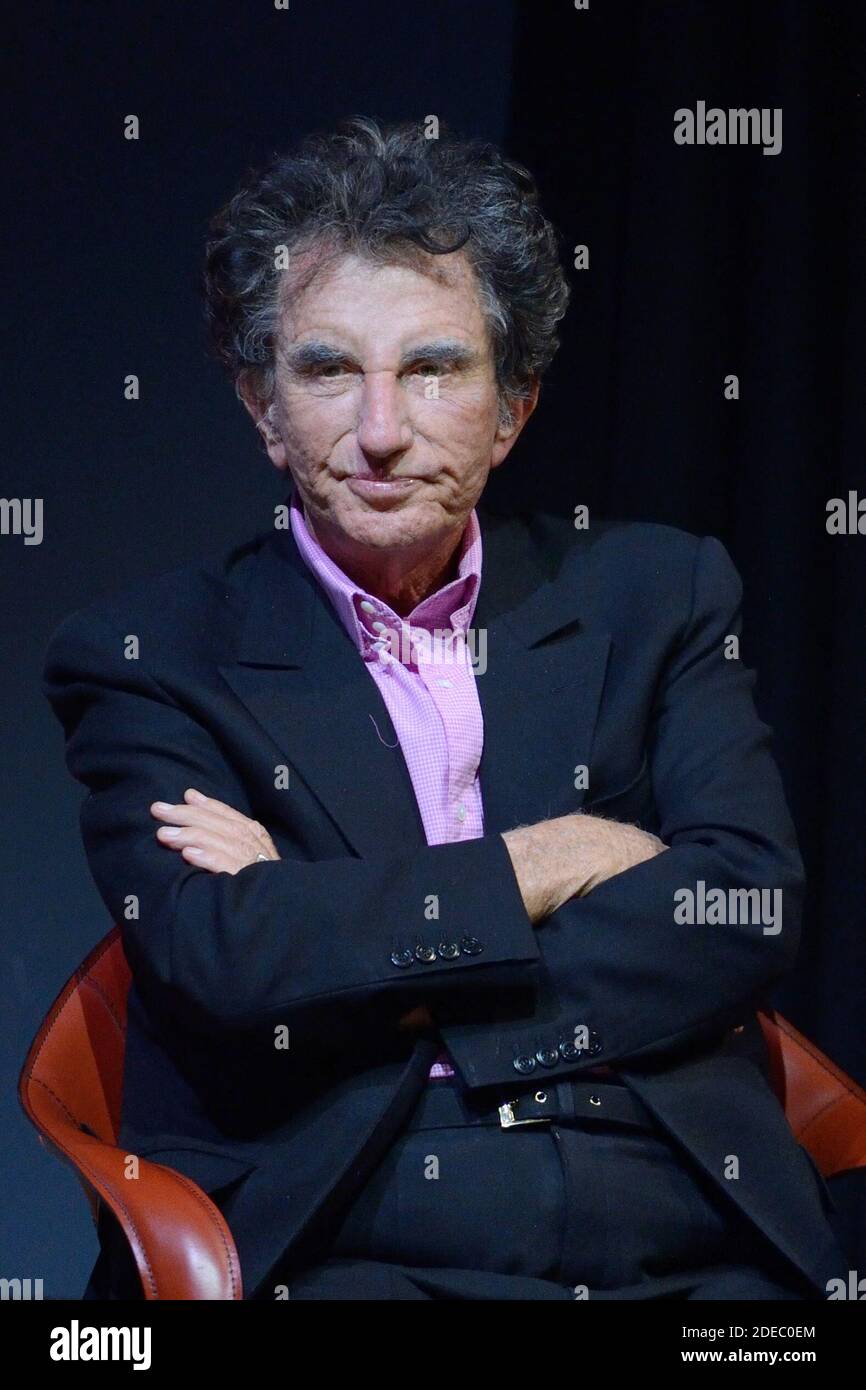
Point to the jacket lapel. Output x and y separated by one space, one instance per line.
298 673
301 677
541 691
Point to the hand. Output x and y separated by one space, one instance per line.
627 844
416 1020
568 856
211 835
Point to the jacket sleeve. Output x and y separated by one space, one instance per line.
624 962
286 942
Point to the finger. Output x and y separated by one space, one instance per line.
192 796
204 838
212 861
208 812
178 812
183 813
222 808
194 815
238 827
261 836
226 859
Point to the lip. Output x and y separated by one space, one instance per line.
382 490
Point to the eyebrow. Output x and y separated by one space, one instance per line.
441 352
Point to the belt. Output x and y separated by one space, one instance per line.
444 1105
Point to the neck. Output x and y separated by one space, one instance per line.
402 580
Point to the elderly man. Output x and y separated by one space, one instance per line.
450 855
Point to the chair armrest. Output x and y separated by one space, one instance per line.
825 1108
179 1239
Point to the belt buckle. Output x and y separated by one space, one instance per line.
508 1117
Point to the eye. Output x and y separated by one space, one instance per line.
332 369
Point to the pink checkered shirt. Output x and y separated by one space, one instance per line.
427 681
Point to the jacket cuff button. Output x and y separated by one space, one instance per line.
402 958
448 950
471 946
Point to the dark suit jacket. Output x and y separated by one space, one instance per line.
604 648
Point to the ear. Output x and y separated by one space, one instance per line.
520 407
262 415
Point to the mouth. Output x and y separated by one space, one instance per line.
376 488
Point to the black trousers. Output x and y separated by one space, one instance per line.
595 1204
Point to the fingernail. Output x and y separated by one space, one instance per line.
169 831
162 805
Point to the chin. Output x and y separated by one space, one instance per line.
394 530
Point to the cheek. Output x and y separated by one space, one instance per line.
464 433
465 422
311 432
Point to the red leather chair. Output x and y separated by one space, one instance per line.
73 1077
181 1244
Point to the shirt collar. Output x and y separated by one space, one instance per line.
370 621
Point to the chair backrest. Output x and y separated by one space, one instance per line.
72 1079
70 1087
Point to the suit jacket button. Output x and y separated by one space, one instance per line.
426 953
471 946
449 950
524 1064
402 958
548 1056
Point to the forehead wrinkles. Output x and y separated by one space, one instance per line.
317 266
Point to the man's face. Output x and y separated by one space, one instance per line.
385 406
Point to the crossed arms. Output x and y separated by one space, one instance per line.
300 942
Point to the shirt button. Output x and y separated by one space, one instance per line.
461 812
380 627
446 685
368 607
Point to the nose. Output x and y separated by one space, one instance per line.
383 421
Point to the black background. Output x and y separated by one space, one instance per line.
703 262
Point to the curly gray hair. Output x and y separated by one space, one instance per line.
390 194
